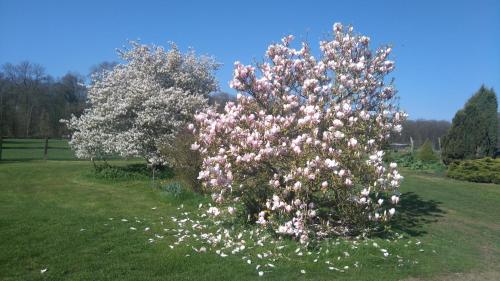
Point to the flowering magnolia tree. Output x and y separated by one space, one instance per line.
139 106
300 151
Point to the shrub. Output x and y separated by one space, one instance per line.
426 153
174 189
185 162
129 172
485 170
409 160
301 149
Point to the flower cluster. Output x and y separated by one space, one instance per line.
139 106
301 149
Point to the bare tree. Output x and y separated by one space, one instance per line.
420 130
32 103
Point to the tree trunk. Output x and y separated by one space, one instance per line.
28 121
46 148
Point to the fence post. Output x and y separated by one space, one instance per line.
46 147
411 144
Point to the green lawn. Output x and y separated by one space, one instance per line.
54 215
32 149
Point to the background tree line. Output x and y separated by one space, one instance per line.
32 102
467 145
421 130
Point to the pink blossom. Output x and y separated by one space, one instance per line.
302 123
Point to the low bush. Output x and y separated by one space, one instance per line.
426 153
485 170
180 193
184 161
410 160
174 188
129 172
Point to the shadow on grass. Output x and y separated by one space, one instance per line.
414 213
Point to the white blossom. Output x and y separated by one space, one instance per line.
141 104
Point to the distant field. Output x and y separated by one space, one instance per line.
32 149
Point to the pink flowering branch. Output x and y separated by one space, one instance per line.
301 149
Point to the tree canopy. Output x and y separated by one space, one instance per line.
474 130
138 107
32 102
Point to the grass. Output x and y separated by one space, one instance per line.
32 149
54 215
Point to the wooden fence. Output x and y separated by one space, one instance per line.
35 149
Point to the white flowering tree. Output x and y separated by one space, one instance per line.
300 151
140 105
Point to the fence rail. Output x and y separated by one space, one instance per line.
35 149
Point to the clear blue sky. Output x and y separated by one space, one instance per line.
444 50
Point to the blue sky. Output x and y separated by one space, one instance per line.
444 50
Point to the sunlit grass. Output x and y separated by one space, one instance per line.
54 216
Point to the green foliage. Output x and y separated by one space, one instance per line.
410 161
426 153
172 188
474 130
129 172
427 166
185 162
498 133
180 194
479 170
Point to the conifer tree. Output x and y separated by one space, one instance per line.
474 130
426 152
